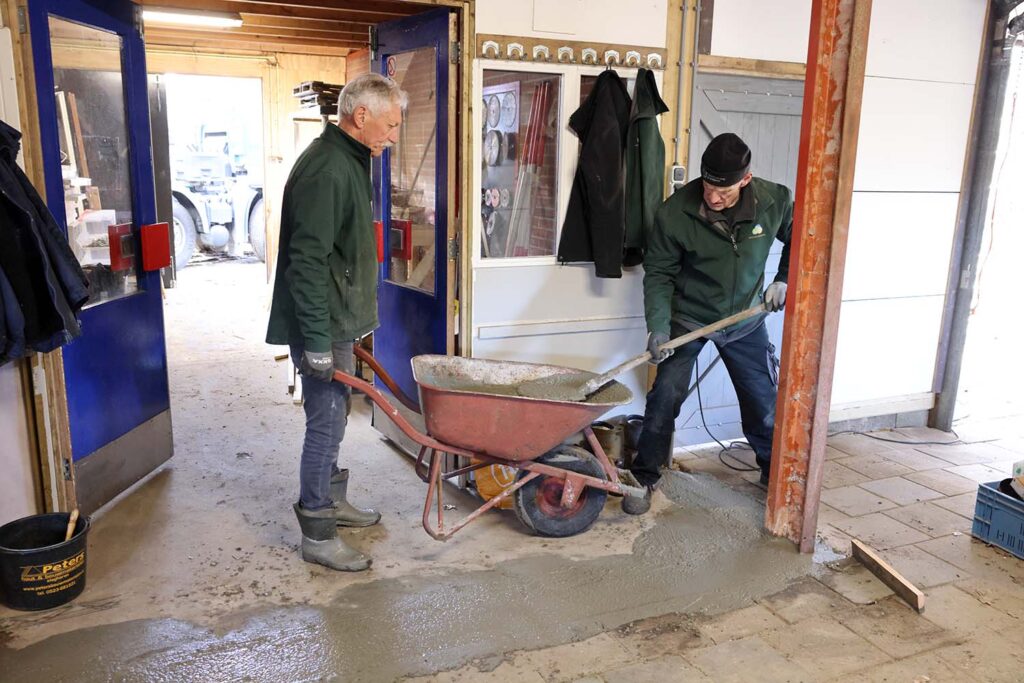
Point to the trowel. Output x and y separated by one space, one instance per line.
579 386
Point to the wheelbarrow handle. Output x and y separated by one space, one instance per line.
395 416
379 370
597 382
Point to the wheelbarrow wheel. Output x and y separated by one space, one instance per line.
538 504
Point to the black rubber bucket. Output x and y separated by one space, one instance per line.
38 568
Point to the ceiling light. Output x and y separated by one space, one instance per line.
182 17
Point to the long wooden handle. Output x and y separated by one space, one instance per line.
597 382
72 523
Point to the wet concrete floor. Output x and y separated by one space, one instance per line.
195 575
704 554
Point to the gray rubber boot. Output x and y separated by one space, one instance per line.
635 505
321 545
348 514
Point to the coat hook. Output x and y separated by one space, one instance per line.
491 49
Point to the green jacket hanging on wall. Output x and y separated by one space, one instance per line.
645 166
326 284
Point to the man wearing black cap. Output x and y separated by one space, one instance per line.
705 261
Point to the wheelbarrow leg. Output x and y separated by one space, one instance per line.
434 486
420 467
602 457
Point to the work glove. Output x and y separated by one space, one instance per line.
318 365
775 296
654 340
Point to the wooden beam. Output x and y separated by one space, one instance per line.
273 10
303 24
355 8
888 575
828 149
393 7
751 67
254 32
255 44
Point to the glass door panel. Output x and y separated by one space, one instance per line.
94 155
413 172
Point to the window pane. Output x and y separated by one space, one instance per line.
413 172
94 156
520 163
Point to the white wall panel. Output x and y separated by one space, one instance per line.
928 40
755 29
17 494
913 136
886 348
638 22
899 244
545 293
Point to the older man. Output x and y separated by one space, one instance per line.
705 261
325 298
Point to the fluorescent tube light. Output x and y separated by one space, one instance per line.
181 17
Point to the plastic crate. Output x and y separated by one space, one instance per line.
999 519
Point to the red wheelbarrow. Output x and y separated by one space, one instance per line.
471 409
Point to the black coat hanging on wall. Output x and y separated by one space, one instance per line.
42 286
595 219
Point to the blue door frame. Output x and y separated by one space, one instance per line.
412 321
116 372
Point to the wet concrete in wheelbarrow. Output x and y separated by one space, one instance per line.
705 553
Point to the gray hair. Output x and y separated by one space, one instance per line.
373 91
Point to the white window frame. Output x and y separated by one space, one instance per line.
567 151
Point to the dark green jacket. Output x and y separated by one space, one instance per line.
695 272
326 284
645 165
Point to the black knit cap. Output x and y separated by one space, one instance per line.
725 161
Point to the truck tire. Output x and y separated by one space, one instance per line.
258 229
184 234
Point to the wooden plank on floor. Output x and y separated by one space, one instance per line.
888 575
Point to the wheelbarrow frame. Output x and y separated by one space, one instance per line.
428 465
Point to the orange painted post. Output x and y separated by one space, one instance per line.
824 189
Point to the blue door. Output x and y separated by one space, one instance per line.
91 86
415 196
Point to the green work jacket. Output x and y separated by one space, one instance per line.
695 272
645 166
326 284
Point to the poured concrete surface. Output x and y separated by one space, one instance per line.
195 574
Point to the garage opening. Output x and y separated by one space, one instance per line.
215 157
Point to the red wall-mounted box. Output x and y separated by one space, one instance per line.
156 246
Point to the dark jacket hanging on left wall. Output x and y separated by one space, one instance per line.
42 286
595 220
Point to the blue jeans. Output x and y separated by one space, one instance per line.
753 369
326 406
